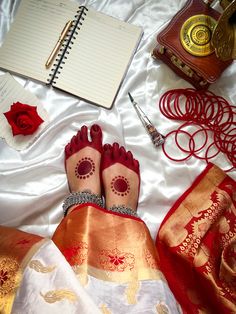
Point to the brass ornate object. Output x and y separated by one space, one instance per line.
224 35
196 35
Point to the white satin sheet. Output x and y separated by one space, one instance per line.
33 182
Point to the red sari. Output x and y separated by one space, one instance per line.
197 245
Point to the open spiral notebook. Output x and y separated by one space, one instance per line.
92 60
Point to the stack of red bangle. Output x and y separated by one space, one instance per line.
208 114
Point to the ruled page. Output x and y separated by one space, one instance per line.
33 34
99 58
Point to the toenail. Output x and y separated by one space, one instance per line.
96 127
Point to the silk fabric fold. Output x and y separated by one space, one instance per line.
196 244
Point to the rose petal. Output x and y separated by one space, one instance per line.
23 119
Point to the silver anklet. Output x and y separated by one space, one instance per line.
81 198
121 209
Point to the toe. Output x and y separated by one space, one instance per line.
136 165
107 147
84 133
68 151
107 156
129 157
122 153
96 136
116 150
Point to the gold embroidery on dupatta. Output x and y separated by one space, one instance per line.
38 266
104 309
58 295
81 274
162 308
10 277
131 292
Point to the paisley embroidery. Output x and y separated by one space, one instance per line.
115 260
38 266
131 292
162 308
58 295
104 309
81 275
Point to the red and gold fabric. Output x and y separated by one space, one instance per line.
16 248
108 246
196 244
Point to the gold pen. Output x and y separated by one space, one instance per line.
58 44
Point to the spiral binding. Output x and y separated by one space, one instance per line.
66 46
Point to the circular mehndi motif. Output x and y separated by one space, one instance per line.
120 185
85 168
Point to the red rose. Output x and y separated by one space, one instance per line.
23 119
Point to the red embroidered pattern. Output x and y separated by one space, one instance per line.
150 259
22 242
76 254
199 225
115 260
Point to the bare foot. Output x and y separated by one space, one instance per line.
120 175
82 160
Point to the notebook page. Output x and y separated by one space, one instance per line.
99 58
33 35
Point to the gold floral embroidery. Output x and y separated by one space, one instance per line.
131 292
116 260
58 295
9 276
38 266
162 308
104 309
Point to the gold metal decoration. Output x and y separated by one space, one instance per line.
183 67
224 35
196 35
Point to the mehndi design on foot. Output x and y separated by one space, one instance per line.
85 168
82 161
121 178
120 185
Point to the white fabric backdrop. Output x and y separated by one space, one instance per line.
33 182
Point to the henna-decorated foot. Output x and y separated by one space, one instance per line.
82 160
120 175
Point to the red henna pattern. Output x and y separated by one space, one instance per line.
120 185
85 168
